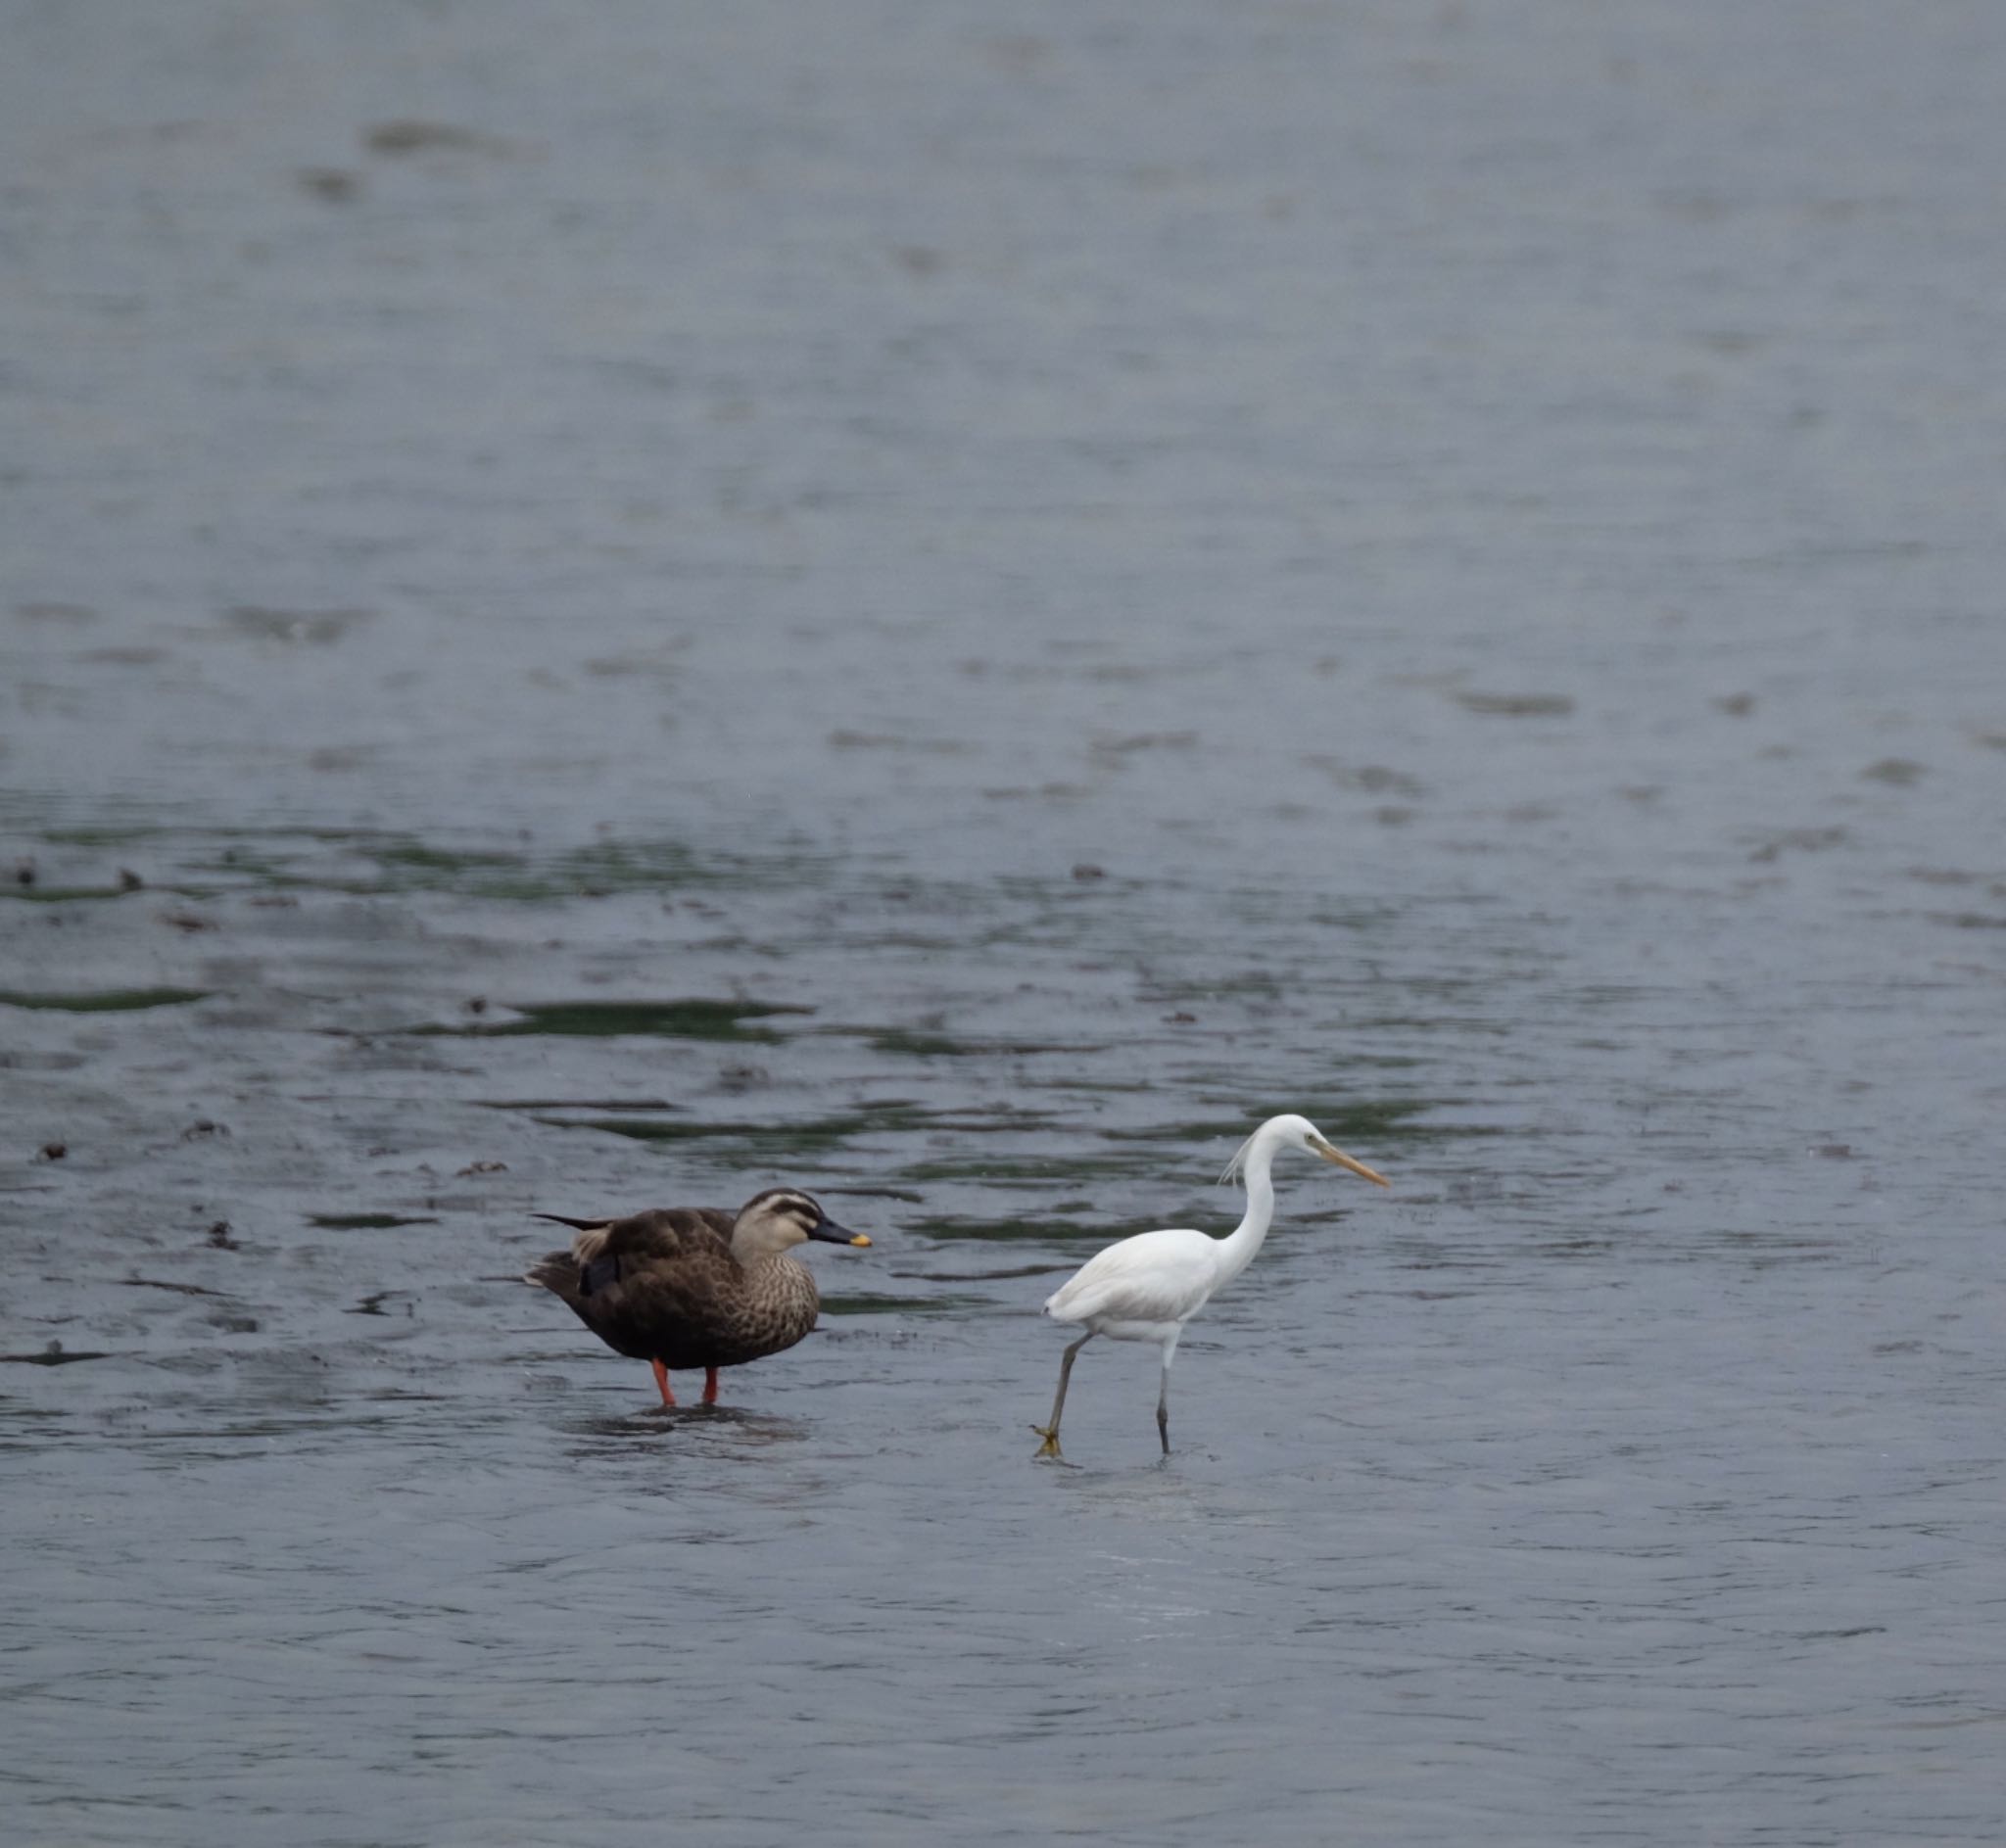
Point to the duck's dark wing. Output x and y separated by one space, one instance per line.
610 1250
649 1286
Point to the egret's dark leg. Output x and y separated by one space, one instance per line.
1050 1432
661 1379
1162 1397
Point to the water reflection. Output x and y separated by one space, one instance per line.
712 1430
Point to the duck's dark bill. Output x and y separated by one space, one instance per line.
834 1234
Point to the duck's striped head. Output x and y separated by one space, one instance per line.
782 1217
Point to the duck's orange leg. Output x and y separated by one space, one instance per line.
710 1386
661 1379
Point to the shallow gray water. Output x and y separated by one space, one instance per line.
952 607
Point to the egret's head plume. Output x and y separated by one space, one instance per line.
1277 1133
1293 1133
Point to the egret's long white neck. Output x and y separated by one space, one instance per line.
1238 1249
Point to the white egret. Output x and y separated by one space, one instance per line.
1146 1287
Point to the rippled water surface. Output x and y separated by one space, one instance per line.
613 607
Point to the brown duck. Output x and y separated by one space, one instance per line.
692 1287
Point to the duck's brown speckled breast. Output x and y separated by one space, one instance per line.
775 1308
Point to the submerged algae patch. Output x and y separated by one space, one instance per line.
365 1221
865 1304
106 1001
812 1134
694 1018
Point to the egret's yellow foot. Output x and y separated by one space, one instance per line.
1050 1447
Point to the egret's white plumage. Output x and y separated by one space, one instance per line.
1146 1287
1150 1281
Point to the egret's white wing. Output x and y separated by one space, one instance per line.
1152 1277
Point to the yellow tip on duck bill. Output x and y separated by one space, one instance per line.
858 1237
1343 1160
